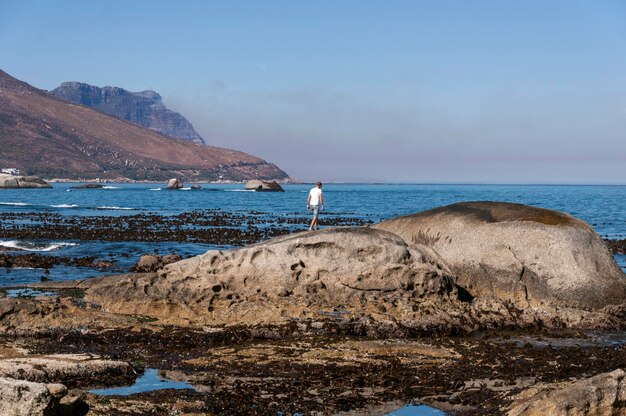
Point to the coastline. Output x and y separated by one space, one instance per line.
337 358
125 180
296 181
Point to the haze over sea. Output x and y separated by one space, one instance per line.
600 206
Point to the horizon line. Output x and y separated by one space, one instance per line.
464 183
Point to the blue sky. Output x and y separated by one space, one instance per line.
408 91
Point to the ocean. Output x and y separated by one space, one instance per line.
24 211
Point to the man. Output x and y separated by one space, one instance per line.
313 202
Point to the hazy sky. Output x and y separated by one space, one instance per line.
410 91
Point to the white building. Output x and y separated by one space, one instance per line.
11 171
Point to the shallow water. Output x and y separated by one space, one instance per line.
123 254
417 410
588 339
149 381
27 293
601 206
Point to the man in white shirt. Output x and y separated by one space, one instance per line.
313 202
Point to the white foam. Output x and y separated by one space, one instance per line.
155 189
110 187
185 189
116 208
239 190
17 204
64 206
28 246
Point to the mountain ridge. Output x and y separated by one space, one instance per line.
144 108
43 135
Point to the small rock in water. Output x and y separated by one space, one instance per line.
262 186
88 186
175 183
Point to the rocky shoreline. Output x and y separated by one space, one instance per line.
46 262
206 226
266 370
348 320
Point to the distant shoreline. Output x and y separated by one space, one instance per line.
299 182
120 180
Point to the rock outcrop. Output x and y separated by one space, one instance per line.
153 262
13 181
520 254
88 186
25 398
604 394
66 368
38 384
174 184
332 272
262 186
144 108
501 265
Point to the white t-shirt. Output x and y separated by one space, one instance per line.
315 194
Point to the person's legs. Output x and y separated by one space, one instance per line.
315 209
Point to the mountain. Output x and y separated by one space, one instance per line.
43 135
144 108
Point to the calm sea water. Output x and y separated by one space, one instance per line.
603 207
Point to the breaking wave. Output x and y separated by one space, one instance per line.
30 246
64 206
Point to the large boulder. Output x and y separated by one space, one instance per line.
520 254
25 398
328 273
174 184
262 186
603 394
13 181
